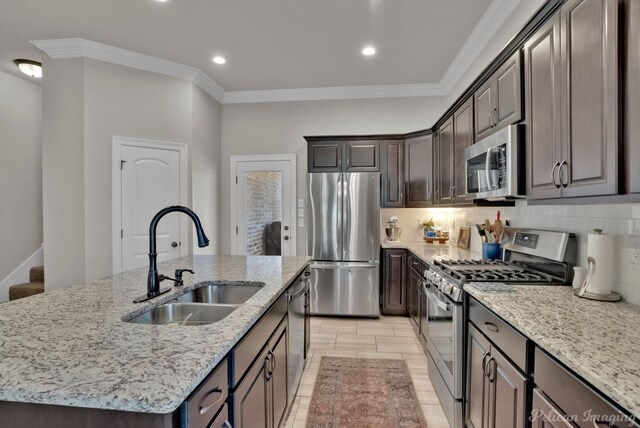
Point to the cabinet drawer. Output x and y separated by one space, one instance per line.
243 354
510 342
222 420
199 409
545 415
415 263
573 396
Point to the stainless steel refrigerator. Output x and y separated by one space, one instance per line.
343 239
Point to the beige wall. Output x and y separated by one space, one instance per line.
279 128
20 171
116 100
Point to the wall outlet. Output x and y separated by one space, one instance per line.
634 257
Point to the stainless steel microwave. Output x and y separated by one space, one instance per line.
494 166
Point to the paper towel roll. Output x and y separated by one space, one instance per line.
600 248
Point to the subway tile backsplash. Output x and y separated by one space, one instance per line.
622 220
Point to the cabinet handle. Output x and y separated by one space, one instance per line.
273 362
563 163
267 365
494 120
205 409
484 362
491 327
553 174
491 373
597 423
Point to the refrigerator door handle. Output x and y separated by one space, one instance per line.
346 215
344 265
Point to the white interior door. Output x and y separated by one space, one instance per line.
150 181
263 200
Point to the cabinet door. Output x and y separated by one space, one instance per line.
462 138
362 156
394 287
483 104
419 171
324 156
632 96
545 415
542 97
589 57
436 168
508 87
445 161
478 347
278 378
392 158
251 400
507 396
413 286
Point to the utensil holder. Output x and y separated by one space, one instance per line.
491 251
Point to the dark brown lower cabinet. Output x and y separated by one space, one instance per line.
496 390
544 414
414 292
394 282
261 398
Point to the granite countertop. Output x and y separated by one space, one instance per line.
430 252
71 346
597 340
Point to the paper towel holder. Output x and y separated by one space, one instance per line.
582 291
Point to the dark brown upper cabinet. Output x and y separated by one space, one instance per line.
589 61
444 159
324 156
362 156
392 161
419 171
498 102
462 138
572 95
542 97
327 155
632 96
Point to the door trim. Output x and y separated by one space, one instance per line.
116 189
234 161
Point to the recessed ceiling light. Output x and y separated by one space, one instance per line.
219 60
28 67
368 51
162 1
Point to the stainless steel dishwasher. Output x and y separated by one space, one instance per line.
298 312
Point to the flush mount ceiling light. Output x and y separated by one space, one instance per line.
219 60
28 67
368 51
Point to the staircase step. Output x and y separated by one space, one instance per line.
36 274
25 290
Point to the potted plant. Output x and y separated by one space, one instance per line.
428 228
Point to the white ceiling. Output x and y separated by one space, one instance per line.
268 44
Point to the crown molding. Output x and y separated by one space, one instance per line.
490 22
334 93
493 18
82 48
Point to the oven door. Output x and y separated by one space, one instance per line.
444 339
493 166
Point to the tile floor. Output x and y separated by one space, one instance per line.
386 337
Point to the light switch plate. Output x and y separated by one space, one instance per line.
300 203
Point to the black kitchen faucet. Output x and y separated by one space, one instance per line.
153 279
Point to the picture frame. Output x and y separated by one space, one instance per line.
464 237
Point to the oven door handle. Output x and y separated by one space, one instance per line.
441 303
487 166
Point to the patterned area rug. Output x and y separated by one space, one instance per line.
360 392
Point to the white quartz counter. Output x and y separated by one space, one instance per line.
70 346
597 340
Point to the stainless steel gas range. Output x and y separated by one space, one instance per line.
530 257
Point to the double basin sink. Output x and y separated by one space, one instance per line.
203 305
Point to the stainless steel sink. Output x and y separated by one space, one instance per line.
222 293
184 314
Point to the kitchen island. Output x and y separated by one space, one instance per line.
72 346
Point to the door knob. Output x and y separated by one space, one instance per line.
286 228
174 244
286 237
